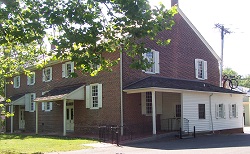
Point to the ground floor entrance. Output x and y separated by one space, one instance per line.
21 117
70 116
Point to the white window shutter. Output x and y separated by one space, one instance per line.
99 95
72 67
50 106
236 110
158 102
224 111
196 67
205 69
34 77
230 110
50 68
34 103
217 111
27 102
143 103
144 57
43 108
19 81
156 62
63 70
87 96
28 80
43 75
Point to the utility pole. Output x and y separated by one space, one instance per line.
224 31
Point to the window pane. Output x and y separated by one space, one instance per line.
201 111
148 103
94 94
178 110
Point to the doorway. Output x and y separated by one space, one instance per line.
21 117
70 116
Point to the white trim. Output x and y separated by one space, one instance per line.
29 79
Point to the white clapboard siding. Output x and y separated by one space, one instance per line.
190 111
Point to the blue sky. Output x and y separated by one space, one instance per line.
233 14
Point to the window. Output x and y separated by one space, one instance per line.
67 68
202 111
94 96
200 69
152 56
47 74
16 83
220 111
178 110
148 103
233 111
30 105
46 106
31 79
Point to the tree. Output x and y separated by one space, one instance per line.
83 31
243 81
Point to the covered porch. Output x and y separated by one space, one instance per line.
174 103
65 96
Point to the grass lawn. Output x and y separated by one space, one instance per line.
20 144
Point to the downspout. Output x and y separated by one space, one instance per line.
210 110
121 93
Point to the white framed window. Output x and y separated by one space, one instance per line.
31 79
220 111
153 57
46 106
149 103
67 68
178 110
16 82
200 69
94 96
233 111
202 111
146 103
47 74
30 105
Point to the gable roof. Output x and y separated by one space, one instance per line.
198 34
176 84
75 92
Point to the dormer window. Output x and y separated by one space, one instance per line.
200 69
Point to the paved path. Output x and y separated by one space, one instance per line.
208 144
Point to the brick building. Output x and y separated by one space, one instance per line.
181 89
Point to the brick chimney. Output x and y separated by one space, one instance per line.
174 2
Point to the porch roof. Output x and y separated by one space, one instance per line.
18 99
74 92
154 82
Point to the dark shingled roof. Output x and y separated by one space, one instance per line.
162 82
16 97
62 90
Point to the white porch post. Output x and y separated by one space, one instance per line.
11 119
153 112
36 118
64 117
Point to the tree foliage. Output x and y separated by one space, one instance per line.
243 81
83 31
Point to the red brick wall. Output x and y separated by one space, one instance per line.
177 60
52 121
